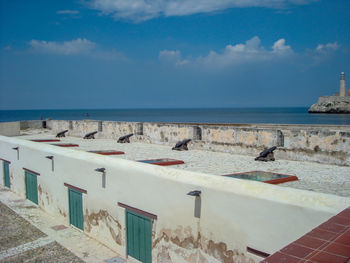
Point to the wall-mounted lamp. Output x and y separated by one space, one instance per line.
51 158
194 193
17 149
197 202
103 171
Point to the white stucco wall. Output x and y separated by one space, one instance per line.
235 213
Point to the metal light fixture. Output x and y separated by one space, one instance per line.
197 202
195 193
17 149
103 171
51 158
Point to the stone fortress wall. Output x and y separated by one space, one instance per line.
231 221
329 144
323 144
329 99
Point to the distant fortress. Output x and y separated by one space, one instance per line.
338 103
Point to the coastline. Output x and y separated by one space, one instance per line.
288 115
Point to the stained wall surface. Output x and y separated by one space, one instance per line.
235 214
324 144
10 128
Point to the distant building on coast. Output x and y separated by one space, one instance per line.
338 103
342 92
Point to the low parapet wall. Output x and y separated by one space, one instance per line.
10 128
234 214
323 144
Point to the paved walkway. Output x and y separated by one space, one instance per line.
28 234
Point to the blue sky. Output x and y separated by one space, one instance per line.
170 54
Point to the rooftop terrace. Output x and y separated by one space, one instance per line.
330 179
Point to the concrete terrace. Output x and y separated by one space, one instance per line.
324 178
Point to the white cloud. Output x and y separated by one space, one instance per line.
322 52
172 57
326 48
79 46
169 55
141 10
250 51
73 47
280 47
67 12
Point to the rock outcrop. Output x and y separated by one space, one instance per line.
331 104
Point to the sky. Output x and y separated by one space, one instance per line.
113 54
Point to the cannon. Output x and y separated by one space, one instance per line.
61 134
266 155
181 145
90 135
125 138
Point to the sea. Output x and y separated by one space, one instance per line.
294 115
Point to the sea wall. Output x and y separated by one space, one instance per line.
32 124
323 144
10 128
228 218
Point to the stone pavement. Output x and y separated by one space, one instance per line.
28 234
323 178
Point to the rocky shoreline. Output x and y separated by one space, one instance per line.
331 104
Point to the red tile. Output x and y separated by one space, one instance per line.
322 234
280 258
296 250
329 226
345 213
323 257
309 241
338 249
344 238
344 221
312 254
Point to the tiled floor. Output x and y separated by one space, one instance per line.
328 243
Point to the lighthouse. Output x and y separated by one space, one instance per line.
342 85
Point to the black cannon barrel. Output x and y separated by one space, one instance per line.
61 134
183 142
267 151
125 138
90 135
181 145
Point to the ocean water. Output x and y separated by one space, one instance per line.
225 115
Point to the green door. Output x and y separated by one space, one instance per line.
139 236
31 187
76 217
6 174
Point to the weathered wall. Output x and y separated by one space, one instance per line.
31 125
324 144
10 128
235 213
327 99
